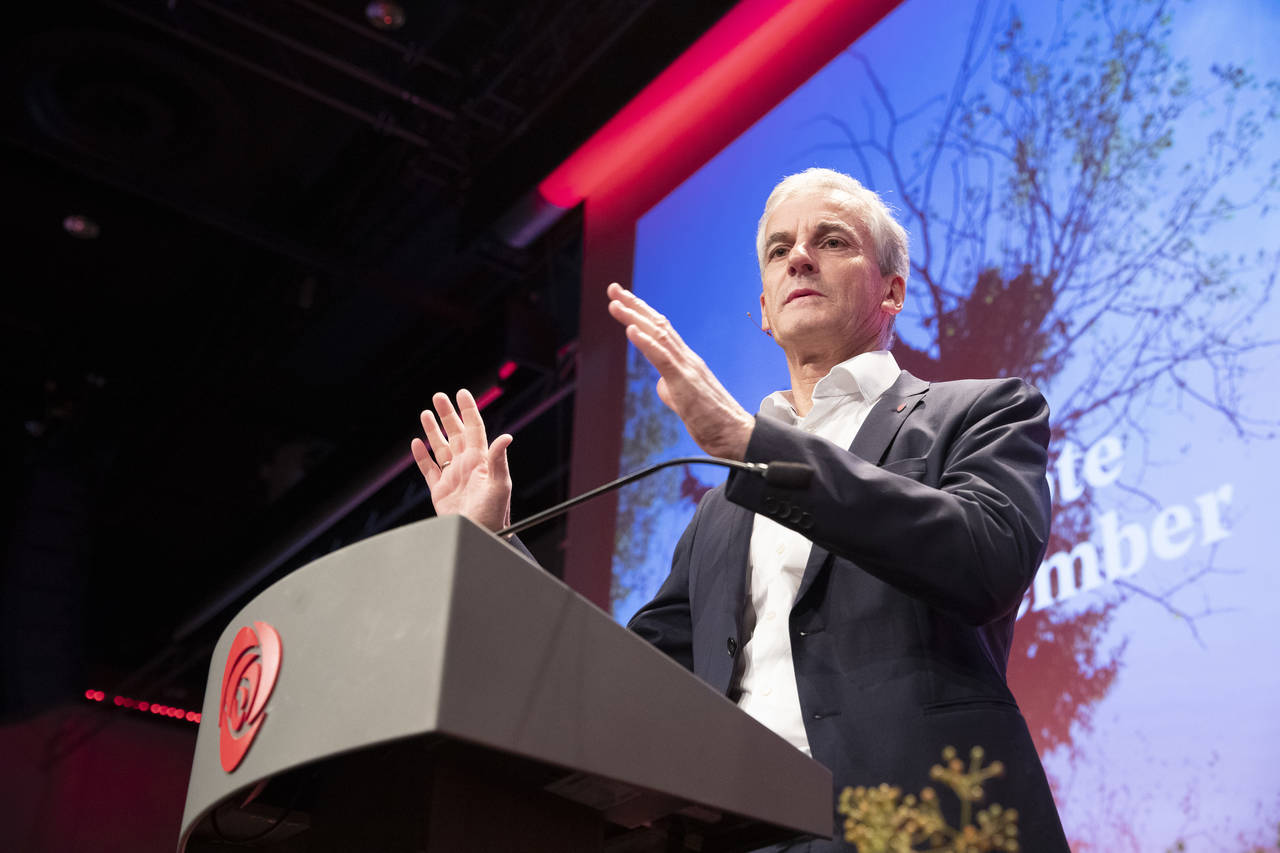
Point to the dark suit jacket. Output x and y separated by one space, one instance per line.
927 533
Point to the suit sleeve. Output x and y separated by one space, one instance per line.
969 547
666 621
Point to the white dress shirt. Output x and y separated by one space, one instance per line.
841 401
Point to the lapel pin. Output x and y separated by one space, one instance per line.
901 406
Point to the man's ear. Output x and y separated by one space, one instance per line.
765 325
895 293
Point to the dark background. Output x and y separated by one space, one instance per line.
296 246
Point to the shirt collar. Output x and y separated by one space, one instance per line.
865 376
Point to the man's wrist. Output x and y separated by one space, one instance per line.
735 445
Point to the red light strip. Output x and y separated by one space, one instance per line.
145 707
488 397
756 54
505 372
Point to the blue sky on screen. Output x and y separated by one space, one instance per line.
1186 742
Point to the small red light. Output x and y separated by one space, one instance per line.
190 716
488 397
78 225
508 368
142 706
119 700
88 694
198 715
98 696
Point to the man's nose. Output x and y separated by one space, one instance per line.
800 262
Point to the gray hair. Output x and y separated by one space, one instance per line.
888 237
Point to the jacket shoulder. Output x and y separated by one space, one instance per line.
974 387
1011 388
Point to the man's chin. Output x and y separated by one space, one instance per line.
808 333
808 315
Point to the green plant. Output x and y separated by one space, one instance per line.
882 820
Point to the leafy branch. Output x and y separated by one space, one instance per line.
882 820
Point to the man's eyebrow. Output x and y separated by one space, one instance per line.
828 225
777 237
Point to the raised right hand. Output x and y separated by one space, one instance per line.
466 475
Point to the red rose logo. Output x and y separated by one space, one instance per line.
252 666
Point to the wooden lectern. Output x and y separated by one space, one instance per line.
434 690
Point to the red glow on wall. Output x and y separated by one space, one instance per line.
758 46
505 371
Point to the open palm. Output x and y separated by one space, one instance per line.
466 475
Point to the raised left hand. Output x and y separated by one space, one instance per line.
714 419
465 473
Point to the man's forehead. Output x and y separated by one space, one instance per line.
819 204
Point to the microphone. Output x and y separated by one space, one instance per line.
784 475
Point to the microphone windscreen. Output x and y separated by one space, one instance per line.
788 475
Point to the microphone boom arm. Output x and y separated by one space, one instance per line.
784 474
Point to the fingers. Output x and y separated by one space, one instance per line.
653 335
435 437
426 465
472 422
456 436
658 355
498 458
631 310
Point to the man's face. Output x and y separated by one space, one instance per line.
823 292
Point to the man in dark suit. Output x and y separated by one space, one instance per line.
867 617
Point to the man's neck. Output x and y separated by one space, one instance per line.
808 365
805 374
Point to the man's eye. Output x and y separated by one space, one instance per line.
778 251
832 243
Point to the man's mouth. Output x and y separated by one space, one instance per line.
800 294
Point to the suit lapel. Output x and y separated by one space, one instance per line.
871 443
737 559
886 418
